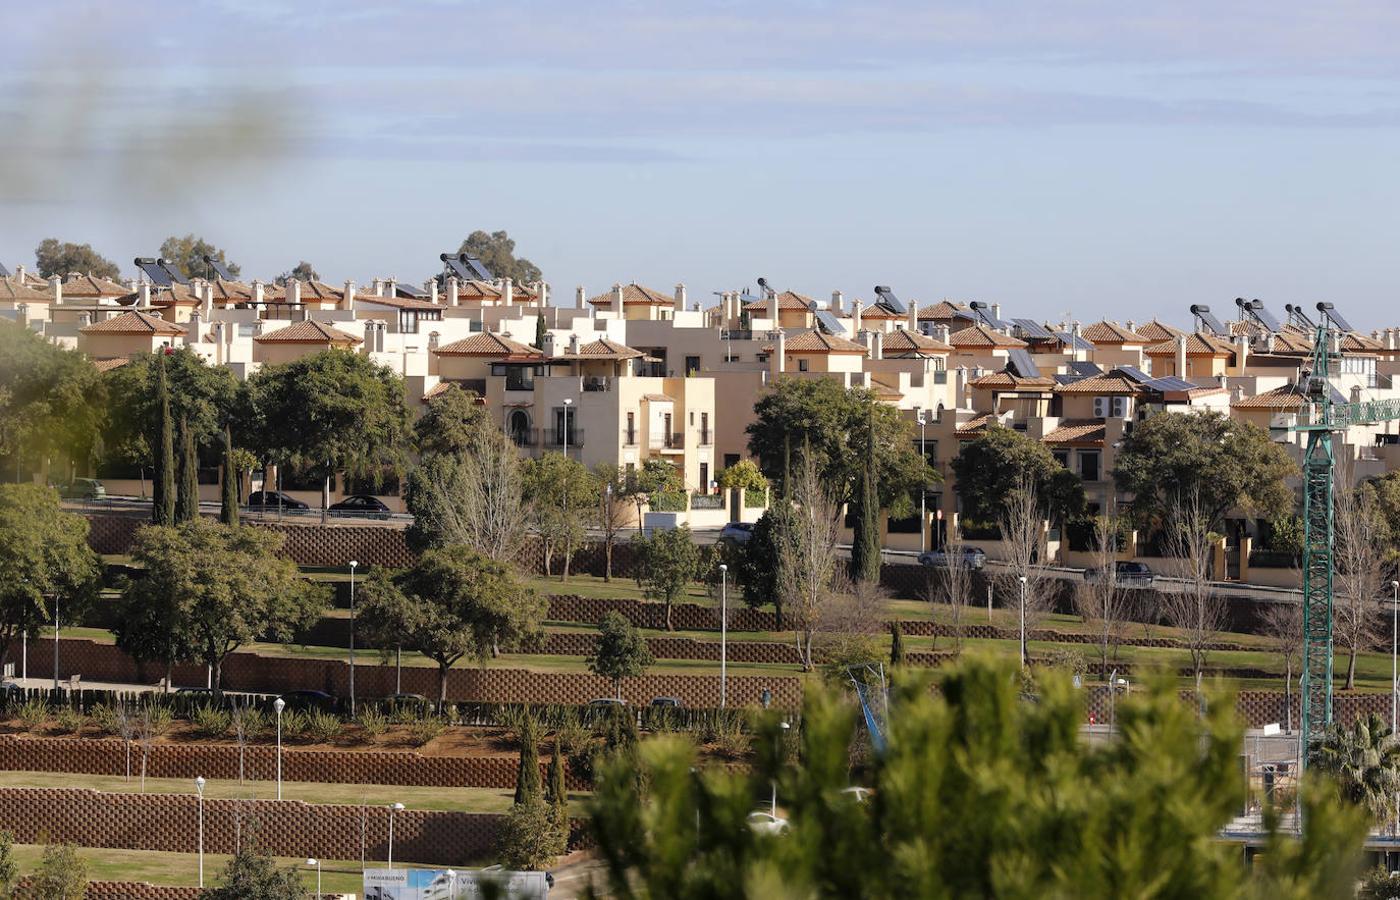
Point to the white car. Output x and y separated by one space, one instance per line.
767 823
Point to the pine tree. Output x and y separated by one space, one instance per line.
539 332
187 496
163 483
527 778
228 511
896 644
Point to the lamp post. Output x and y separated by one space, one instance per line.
773 801
1394 634
568 401
1022 579
317 864
353 564
55 641
199 789
923 492
1112 690
723 630
393 808
277 706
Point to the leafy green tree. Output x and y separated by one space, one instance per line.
330 412
621 651
187 495
302 271
62 874
9 868
228 488
843 427
497 250
453 602
44 559
1221 462
556 792
669 560
164 500
896 644
528 788
210 589
656 476
561 494
976 794
865 545
528 839
1364 762
55 257
252 874
52 400
452 424
188 253
757 570
744 475
992 467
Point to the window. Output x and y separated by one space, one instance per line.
1089 465
705 477
802 365
630 435
692 365
1061 457
731 459
704 428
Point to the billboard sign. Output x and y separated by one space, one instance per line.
438 884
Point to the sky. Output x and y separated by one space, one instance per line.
1069 160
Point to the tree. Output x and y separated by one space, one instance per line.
1283 625
896 644
451 603
55 257
497 251
45 562
613 514
228 488
62 874
187 495
560 493
556 791
188 253
1196 608
302 271
210 589
1224 463
527 775
951 583
757 569
452 424
1025 579
844 428
475 500
528 839
330 412
252 874
1364 761
540 332
9 869
1360 545
656 476
997 463
865 541
807 555
744 475
668 561
621 651
52 400
164 500
976 795
1102 602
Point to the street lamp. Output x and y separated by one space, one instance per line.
1022 579
568 401
773 802
277 706
353 564
199 789
723 629
923 492
393 808
1394 633
317 864
55 641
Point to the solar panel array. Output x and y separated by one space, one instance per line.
467 268
828 322
154 270
1207 318
1074 340
984 312
1331 312
218 266
889 300
1084 368
1068 379
1134 373
1021 364
1032 330
1171 383
4 272
1263 316
410 290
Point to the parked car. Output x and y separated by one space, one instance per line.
1125 574
405 698
363 505
736 532
970 558
763 822
83 489
308 699
272 500
667 702
607 703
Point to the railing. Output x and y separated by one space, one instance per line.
667 441
554 437
629 437
525 437
597 383
736 334
706 437
707 501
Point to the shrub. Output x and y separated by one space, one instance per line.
34 714
161 718
209 721
255 722
731 740
104 717
529 838
69 720
574 736
373 721
322 726
293 724
424 730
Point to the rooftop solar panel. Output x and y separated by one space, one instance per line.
1073 340
1171 383
1296 314
828 322
1084 368
1135 374
4 272
218 266
1021 364
1331 312
173 270
1263 316
889 300
1032 330
1207 319
410 290
478 267
154 271
1068 378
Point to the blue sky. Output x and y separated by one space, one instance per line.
1090 157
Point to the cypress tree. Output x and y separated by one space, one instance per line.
539 332
228 496
163 482
865 549
896 644
527 778
187 497
556 792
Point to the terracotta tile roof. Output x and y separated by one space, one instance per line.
636 295
320 291
982 336
308 331
107 365
133 322
976 424
1107 332
396 302
1197 344
1360 343
1008 381
1158 331
490 345
1108 383
82 285
1077 431
1288 398
163 296
879 313
943 309
903 342
815 341
787 300
1292 342
12 290
601 349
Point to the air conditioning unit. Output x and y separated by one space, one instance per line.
1101 407
1119 406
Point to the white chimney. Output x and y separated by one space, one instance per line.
143 295
1130 325
452 296
942 333
877 345
542 291
617 299
680 298
837 301
192 333
56 285
391 287
369 334
507 291
431 286
580 297
913 316
573 345
773 308
1074 341
294 293
259 295
349 301
207 300
1181 356
19 274
377 287
855 316
996 311
84 319
1241 351
779 362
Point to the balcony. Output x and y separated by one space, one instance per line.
554 437
666 441
525 437
596 383
629 437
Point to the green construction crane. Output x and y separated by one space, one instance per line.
1324 417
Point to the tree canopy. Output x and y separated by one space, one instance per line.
51 400
1207 459
252 874
621 652
203 396
669 560
188 253
497 250
562 496
302 271
55 257
993 465
452 423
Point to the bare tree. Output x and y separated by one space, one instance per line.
1196 609
951 583
241 718
146 734
126 727
807 555
1359 559
1102 602
1025 579
477 500
614 510
1282 624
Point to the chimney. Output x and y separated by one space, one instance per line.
941 332
877 345
1130 325
207 306
192 332
349 302
507 291
369 334
779 361
1180 356
377 287
1074 341
542 292
913 316
1241 352
580 297
84 319
1269 342
855 316
259 295
773 308
56 285
431 286
19 274
680 298
616 305
143 295
573 345
837 301
996 311
294 293
452 296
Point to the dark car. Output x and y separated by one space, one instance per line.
83 489
969 558
308 699
667 702
1125 574
737 532
273 500
362 505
